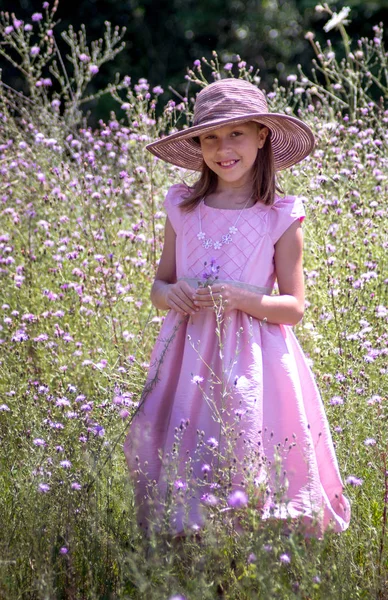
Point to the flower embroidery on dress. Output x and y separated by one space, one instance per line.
208 242
226 239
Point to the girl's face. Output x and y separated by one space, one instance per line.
231 151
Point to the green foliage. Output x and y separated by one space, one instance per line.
81 233
268 34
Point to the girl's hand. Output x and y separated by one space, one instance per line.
217 295
179 297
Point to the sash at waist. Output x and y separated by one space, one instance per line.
241 284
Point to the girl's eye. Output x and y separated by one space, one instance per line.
236 133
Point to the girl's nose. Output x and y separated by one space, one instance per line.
223 144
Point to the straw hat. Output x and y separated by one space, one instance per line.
231 101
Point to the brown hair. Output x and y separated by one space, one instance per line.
264 181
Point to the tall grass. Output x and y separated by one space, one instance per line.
81 233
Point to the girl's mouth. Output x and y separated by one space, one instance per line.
227 164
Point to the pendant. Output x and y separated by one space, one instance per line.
227 238
208 243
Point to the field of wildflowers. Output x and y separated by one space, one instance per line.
80 235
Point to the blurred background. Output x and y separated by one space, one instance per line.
164 37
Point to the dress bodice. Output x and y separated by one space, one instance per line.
249 257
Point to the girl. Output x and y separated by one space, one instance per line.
248 384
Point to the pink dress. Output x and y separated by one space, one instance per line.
259 387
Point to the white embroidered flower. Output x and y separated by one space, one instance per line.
217 245
226 239
201 235
233 230
207 244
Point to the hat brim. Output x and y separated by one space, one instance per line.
291 140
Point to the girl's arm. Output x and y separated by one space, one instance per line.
288 307
166 292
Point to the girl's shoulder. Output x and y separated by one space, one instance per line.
286 202
283 212
175 195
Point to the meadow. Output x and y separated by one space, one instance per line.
81 230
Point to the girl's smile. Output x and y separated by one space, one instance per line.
230 151
228 164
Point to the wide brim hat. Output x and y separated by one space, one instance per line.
230 102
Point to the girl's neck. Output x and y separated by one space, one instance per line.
231 197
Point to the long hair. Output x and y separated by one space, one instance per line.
263 181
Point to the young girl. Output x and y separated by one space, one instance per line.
233 231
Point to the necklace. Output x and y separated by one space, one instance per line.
227 238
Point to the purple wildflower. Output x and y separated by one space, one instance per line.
44 488
370 442
213 443
62 402
354 481
196 379
39 442
376 399
336 401
237 499
20 336
285 559
209 499
93 69
75 486
64 550
43 337
180 485
99 430
37 17
34 50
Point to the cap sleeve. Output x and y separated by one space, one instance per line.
173 198
283 213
